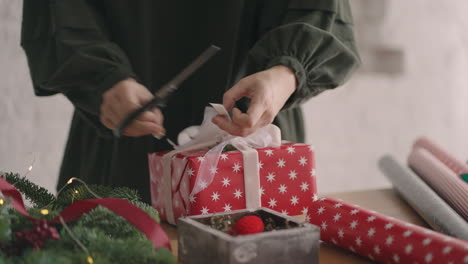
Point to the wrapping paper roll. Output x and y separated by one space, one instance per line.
433 209
457 166
382 238
440 178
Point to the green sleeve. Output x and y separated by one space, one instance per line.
316 40
68 51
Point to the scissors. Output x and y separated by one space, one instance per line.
161 95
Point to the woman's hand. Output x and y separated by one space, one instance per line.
269 91
124 98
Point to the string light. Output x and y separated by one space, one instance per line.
44 211
77 241
2 201
90 260
30 166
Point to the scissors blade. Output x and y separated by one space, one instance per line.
161 95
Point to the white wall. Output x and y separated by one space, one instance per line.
351 127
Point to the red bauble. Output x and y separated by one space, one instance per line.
250 224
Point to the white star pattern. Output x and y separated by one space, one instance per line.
269 152
262 191
389 226
358 241
337 217
324 225
192 199
204 210
320 210
226 182
377 250
238 194
446 250
340 233
315 197
282 188
215 196
236 167
260 165
426 241
407 233
428 258
353 224
272 202
338 205
213 170
307 218
203 184
303 161
311 148
389 240
371 218
224 157
190 172
291 150
396 258
294 200
281 163
227 207
292 175
271 177
305 210
313 172
200 159
304 186
284 212
371 232
408 249
354 211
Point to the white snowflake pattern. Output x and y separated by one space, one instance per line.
305 210
371 232
313 172
226 182
204 210
354 211
294 200
303 161
446 250
291 150
292 175
396 258
262 191
236 167
192 198
201 159
272 203
371 218
428 258
282 189
334 241
352 249
336 217
281 163
358 241
353 224
269 152
260 165
426 241
324 225
320 210
377 250
338 205
284 212
215 196
307 218
389 240
190 172
340 233
271 177
315 197
213 170
224 157
227 207
238 194
408 249
407 233
389 226
304 186
203 184
311 148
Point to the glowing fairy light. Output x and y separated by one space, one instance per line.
2 201
90 260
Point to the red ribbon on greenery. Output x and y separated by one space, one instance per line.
137 217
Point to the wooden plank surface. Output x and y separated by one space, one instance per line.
385 201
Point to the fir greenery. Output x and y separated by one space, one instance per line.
109 238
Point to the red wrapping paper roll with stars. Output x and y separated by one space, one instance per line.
383 238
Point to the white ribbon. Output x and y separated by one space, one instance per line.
209 135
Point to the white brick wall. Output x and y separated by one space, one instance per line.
351 127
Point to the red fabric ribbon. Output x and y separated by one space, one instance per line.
130 212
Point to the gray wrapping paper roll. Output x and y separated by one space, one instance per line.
433 209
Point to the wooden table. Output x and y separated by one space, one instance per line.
385 201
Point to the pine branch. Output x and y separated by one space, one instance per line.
37 195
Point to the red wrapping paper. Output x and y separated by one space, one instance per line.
287 180
382 238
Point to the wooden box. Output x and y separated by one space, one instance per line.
200 243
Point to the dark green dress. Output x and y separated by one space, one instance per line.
81 48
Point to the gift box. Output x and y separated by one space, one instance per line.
201 177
